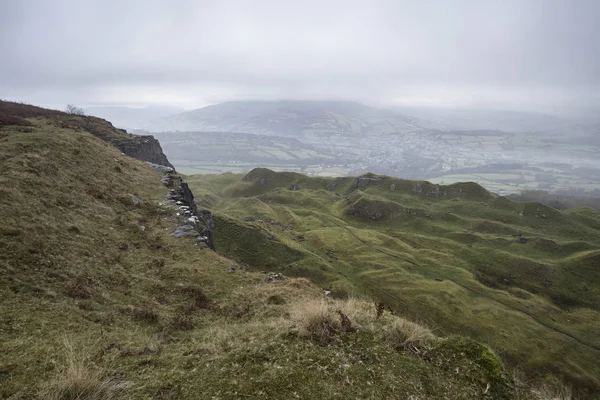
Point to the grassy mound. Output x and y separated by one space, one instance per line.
518 276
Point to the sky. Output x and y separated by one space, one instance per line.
529 55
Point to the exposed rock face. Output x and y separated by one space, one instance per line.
204 222
145 148
361 182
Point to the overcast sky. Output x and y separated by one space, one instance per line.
518 55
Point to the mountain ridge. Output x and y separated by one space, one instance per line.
285 117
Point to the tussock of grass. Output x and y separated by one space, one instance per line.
553 392
315 319
322 320
78 380
401 333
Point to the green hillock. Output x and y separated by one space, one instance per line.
520 277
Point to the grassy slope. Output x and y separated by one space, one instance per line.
139 305
453 262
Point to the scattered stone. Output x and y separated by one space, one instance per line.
142 228
417 189
522 240
299 238
167 180
439 279
505 281
294 187
273 277
328 293
361 182
521 213
163 169
331 186
135 200
547 283
435 192
392 187
184 230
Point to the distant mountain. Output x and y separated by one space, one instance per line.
132 118
507 121
292 118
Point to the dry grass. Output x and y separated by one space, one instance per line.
323 319
400 333
315 319
78 380
553 392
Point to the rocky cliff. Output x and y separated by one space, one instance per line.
145 148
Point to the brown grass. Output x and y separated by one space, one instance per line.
400 333
80 381
314 319
323 319
553 392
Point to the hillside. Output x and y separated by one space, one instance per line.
290 118
522 277
100 298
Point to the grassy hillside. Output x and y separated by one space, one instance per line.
522 277
99 301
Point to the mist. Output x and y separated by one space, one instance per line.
529 55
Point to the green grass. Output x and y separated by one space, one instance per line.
452 261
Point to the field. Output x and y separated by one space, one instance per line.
521 277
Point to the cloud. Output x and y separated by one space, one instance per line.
529 54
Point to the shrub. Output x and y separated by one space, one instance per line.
74 110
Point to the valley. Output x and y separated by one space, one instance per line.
504 152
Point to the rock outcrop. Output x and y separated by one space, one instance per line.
145 148
193 221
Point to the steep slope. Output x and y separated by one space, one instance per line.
290 118
521 277
98 298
